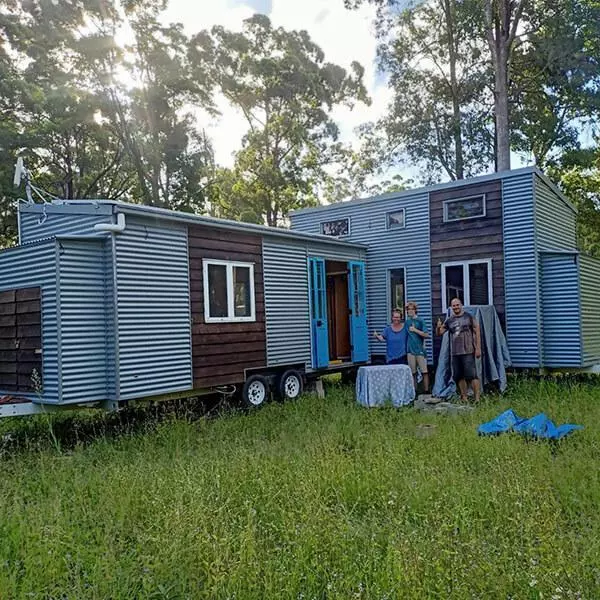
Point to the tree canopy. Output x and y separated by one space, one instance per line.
106 99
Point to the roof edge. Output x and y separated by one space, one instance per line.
423 189
233 225
555 189
100 206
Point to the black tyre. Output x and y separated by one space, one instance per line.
255 391
290 385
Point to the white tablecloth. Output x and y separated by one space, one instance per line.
384 383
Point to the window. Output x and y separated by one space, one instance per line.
397 290
464 208
336 228
395 219
228 291
356 272
470 281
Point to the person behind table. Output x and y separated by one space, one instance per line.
465 347
395 337
417 333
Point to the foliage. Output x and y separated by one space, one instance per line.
578 175
51 112
285 89
172 160
541 63
555 81
93 118
310 499
432 47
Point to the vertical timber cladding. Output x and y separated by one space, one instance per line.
465 240
20 339
221 351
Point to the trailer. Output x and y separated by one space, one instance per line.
105 302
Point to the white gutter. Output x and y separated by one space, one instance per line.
117 227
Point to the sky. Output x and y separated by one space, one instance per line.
343 35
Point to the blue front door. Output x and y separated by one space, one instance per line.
359 335
318 316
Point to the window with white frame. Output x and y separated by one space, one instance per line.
336 228
228 291
395 219
460 209
470 281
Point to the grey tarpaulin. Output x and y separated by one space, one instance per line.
494 360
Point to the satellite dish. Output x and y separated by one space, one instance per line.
19 172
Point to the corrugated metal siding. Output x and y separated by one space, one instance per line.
560 311
83 321
334 252
153 308
29 266
285 273
555 221
407 248
35 227
520 271
589 289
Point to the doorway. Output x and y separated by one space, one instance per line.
337 295
339 314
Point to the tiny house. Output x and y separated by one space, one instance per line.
506 239
104 302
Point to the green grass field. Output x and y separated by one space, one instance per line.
313 499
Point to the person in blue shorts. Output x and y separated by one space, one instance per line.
395 337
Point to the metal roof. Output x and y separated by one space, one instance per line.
444 186
171 215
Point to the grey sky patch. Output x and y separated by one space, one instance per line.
323 14
260 6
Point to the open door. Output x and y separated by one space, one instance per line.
318 316
359 334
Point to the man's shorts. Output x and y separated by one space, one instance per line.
463 367
417 360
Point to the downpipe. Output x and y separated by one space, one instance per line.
117 227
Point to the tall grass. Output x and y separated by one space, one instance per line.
313 499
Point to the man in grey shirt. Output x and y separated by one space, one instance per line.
465 347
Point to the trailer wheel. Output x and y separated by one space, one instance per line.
256 390
291 385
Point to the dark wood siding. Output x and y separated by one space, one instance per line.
470 239
20 339
221 351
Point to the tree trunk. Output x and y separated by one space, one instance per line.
501 110
456 117
502 19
